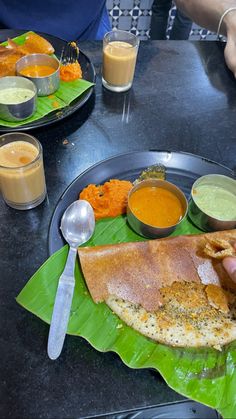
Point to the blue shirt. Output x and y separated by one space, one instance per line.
66 19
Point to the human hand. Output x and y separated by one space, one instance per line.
230 54
230 49
229 264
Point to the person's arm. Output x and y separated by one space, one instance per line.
207 13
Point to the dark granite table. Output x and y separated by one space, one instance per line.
183 98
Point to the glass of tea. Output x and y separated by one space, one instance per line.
22 177
120 50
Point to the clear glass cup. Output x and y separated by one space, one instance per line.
22 177
120 50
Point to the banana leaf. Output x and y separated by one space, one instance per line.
205 375
67 92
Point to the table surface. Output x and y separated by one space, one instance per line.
184 99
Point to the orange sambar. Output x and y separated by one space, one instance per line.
37 70
156 206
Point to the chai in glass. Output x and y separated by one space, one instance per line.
120 50
22 177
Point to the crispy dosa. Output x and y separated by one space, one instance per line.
136 271
11 53
186 318
8 63
168 289
34 44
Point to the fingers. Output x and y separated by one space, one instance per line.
229 264
230 54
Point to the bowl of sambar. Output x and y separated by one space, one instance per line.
155 208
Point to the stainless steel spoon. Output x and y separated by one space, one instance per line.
77 226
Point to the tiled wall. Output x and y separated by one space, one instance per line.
135 16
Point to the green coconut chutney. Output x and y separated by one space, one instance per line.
216 201
15 95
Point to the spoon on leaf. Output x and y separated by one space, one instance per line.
77 226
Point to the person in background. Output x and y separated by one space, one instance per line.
160 14
218 16
66 19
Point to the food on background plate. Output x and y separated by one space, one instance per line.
15 95
17 98
36 70
42 70
167 289
109 199
70 71
34 44
12 52
8 63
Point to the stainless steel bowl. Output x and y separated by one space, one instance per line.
200 218
147 230
22 110
46 85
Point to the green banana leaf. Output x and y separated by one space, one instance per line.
205 375
67 92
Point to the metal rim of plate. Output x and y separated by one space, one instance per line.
181 168
87 69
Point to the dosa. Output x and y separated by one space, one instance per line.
169 289
11 53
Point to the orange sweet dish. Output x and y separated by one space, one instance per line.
70 72
108 200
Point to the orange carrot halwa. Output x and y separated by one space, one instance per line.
108 200
70 72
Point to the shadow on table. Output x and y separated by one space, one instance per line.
120 104
70 124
